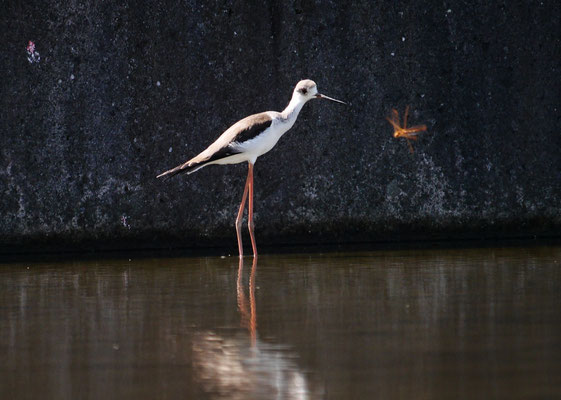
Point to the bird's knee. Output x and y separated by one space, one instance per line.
250 226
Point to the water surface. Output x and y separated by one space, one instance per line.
468 323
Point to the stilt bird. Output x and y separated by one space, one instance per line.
248 139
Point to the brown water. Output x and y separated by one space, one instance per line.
453 324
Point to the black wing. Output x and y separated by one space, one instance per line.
252 126
242 131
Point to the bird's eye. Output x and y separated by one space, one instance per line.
304 91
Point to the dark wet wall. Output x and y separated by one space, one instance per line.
115 93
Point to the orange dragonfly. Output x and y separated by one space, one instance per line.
403 131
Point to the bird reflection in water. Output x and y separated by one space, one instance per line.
248 314
230 366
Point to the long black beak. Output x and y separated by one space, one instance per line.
322 96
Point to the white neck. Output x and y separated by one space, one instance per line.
293 108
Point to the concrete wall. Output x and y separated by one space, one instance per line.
123 92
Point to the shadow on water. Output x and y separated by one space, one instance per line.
457 323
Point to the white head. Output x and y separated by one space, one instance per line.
307 90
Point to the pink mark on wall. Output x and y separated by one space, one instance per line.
125 222
32 55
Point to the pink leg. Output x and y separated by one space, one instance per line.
250 211
240 214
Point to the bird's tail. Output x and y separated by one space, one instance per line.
186 168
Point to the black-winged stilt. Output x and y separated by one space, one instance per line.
248 139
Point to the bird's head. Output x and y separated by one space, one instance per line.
307 90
